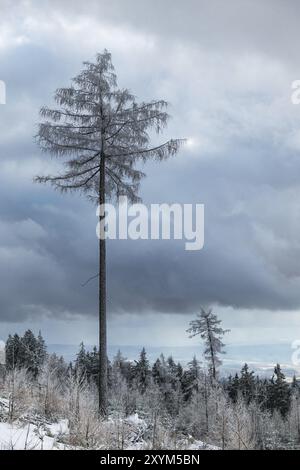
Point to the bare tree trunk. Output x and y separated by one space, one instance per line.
212 354
223 431
298 420
102 300
206 402
154 430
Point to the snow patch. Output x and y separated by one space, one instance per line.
28 436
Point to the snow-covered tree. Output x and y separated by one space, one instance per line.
247 384
191 378
207 325
12 347
158 372
41 349
26 351
232 387
102 132
279 392
142 371
81 360
124 366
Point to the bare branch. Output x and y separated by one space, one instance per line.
90 279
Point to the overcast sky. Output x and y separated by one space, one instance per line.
226 68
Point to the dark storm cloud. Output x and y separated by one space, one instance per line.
227 72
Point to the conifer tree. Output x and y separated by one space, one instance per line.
233 387
191 378
142 371
295 385
157 372
172 371
94 364
81 360
179 371
102 133
207 325
279 392
41 349
247 384
28 353
12 347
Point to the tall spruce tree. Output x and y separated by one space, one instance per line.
102 132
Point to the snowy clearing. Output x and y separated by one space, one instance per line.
28 436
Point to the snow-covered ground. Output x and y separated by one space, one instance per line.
27 436
32 432
137 428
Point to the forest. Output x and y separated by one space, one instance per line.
159 405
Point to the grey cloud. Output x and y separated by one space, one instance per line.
227 74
